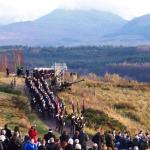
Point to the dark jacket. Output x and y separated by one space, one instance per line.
64 137
51 146
15 143
69 147
8 133
48 136
83 138
42 147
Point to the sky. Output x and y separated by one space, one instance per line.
22 10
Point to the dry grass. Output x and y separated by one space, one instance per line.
130 96
125 101
15 110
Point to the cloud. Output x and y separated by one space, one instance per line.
19 10
26 9
125 8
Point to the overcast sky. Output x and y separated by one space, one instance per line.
20 10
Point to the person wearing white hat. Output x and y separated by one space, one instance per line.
77 147
76 141
2 138
70 145
51 144
136 148
95 146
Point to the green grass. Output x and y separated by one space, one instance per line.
41 128
17 107
96 118
8 89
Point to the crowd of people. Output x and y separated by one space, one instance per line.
41 96
14 140
44 100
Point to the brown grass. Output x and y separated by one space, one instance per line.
15 110
132 98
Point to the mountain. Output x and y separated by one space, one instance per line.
134 31
62 27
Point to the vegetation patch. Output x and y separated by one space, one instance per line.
41 128
97 118
132 116
123 105
21 103
8 89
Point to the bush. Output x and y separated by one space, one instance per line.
123 105
132 116
97 118
21 103
8 89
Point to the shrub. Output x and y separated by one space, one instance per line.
8 89
132 116
123 105
97 118
21 103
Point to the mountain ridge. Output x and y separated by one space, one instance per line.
76 27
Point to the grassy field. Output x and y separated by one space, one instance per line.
127 103
15 108
110 102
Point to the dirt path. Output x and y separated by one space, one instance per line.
51 124
48 121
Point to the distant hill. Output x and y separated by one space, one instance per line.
77 27
62 27
135 31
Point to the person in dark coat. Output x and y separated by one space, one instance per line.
98 139
8 131
15 142
7 72
64 137
70 145
16 129
51 145
83 138
49 135
42 146
76 135
109 139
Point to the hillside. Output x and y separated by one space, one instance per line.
111 102
124 101
136 29
15 108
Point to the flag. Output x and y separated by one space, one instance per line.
73 108
78 109
83 108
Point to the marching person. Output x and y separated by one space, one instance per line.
7 72
61 123
73 123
